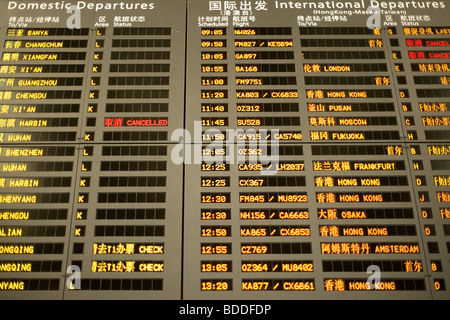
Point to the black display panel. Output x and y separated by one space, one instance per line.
224 150
320 128
91 203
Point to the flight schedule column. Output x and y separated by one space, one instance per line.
215 216
250 236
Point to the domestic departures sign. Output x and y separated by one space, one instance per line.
221 150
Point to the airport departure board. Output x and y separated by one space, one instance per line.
225 150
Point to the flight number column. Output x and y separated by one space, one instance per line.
275 234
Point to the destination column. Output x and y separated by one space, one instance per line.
41 93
